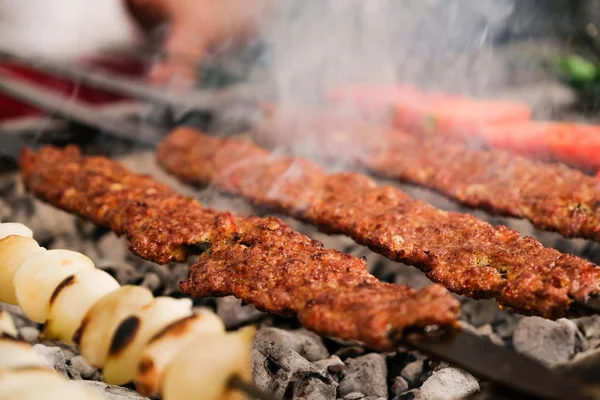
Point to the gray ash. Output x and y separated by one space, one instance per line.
289 360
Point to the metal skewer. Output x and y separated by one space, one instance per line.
475 354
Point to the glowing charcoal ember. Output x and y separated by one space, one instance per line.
166 344
14 228
102 320
14 250
136 331
39 275
203 369
72 299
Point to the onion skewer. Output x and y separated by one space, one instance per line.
20 366
159 343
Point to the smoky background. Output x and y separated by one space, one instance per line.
475 47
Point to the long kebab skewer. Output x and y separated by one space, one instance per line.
461 348
551 196
260 260
124 330
281 271
467 255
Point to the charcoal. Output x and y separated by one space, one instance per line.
313 389
85 370
590 326
483 331
448 384
151 281
56 358
482 312
332 365
412 372
5 211
29 333
354 396
47 222
410 395
234 314
123 272
366 374
111 392
350 351
73 243
112 247
551 342
399 386
18 316
306 343
281 370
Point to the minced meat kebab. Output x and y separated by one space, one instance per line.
259 260
465 254
551 196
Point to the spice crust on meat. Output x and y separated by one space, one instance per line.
259 260
465 254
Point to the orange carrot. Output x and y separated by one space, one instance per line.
575 144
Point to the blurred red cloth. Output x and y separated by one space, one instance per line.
13 109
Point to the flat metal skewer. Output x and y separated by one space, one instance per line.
496 364
475 354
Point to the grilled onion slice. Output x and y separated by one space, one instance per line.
164 345
14 250
135 332
14 228
202 370
101 321
18 354
63 390
40 274
14 380
72 299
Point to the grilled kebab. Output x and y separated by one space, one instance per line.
467 255
259 260
550 195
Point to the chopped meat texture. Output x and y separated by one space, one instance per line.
465 254
552 196
160 224
259 260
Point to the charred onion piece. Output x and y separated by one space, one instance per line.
24 375
103 318
124 329
465 254
260 260
163 347
14 249
35 283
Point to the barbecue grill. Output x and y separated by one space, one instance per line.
108 110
